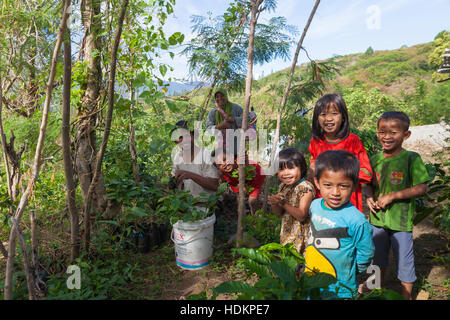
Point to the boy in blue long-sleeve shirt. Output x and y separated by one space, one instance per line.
340 238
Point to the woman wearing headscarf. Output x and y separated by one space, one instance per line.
225 115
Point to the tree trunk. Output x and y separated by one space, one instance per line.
288 86
11 158
86 149
26 262
66 143
3 141
37 160
101 153
133 151
248 90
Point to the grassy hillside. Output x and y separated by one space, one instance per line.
390 71
386 79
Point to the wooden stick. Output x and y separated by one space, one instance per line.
28 270
34 245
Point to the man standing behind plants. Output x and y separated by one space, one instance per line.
193 167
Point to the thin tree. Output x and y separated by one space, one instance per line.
37 158
67 159
254 15
5 157
3 141
288 86
101 153
88 111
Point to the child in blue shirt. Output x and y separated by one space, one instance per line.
340 237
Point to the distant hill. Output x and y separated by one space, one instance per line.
177 88
393 72
389 70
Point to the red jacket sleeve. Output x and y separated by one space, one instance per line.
365 169
312 151
257 182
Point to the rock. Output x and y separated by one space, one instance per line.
422 295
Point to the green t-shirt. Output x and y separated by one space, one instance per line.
394 174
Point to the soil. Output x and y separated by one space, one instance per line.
429 247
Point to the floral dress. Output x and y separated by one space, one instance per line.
292 230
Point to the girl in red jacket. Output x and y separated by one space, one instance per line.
331 131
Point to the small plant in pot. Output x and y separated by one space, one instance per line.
181 205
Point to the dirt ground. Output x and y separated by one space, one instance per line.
432 275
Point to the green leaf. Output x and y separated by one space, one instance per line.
318 280
199 296
259 269
234 287
172 106
139 212
381 294
254 255
284 272
268 283
163 69
271 247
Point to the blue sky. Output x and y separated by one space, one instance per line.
339 26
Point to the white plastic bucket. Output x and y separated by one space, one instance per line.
193 242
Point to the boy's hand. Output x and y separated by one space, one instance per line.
372 205
384 200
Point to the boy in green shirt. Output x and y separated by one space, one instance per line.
399 177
